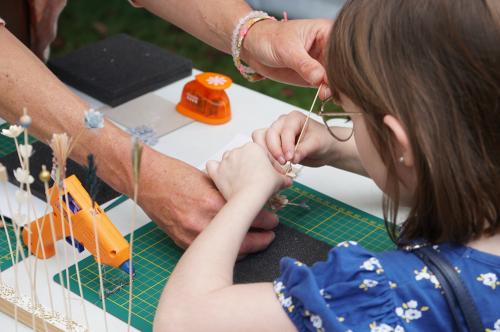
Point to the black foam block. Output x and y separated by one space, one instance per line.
42 155
264 266
120 68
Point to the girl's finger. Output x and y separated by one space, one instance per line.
273 142
289 136
306 148
212 167
259 137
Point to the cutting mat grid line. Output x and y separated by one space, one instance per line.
155 255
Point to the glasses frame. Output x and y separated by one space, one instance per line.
324 114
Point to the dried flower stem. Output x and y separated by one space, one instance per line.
136 169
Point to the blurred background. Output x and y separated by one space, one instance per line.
87 21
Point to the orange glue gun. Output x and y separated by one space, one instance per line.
114 250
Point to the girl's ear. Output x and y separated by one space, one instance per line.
401 139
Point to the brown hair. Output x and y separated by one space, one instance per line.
435 66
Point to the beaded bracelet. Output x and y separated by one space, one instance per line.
239 34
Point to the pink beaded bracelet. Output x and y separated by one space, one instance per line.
239 34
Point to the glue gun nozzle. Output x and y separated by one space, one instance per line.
125 267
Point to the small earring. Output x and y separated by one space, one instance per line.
401 159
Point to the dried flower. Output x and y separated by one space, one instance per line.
13 131
23 176
136 159
94 119
145 133
25 150
61 147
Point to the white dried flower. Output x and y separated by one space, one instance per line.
13 131
23 176
94 119
25 150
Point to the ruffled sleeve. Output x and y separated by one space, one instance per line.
348 291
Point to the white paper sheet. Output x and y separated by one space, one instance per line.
37 204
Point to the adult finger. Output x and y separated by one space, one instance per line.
256 241
297 58
265 220
306 149
285 75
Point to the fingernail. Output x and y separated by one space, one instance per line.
273 236
281 160
289 155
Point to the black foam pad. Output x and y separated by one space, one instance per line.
120 68
264 266
42 155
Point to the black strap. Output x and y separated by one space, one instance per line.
455 292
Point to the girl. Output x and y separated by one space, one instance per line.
420 81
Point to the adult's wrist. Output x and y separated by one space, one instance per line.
255 38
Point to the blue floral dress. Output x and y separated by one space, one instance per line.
357 290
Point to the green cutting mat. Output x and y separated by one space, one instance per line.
8 146
155 255
5 253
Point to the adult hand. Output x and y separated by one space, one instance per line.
317 147
182 200
291 51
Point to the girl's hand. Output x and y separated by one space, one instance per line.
317 146
246 169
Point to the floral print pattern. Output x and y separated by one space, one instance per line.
372 264
385 328
409 311
425 274
368 283
496 327
352 290
346 244
489 279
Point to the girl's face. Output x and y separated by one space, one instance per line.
371 160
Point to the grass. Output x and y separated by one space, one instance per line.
87 21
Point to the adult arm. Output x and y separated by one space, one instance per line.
167 185
290 51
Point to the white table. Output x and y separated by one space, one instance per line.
194 144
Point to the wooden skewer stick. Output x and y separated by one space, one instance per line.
288 166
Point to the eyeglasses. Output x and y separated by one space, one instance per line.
338 122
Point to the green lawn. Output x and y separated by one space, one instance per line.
87 21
